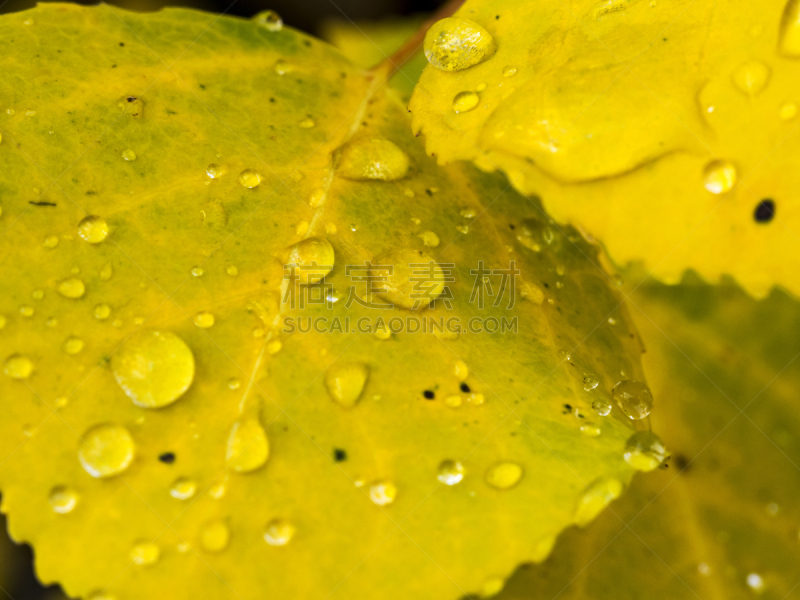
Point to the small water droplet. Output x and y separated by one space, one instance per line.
598 495
102 311
215 171
372 158
314 258
234 383
72 288
307 123
382 492
703 568
269 20
128 154
590 430
73 345
476 399
460 370
217 490
2 321
634 398
788 111
719 177
755 582
153 368
453 401
282 67
467 213
26 311
204 320
215 536
248 445
250 178
589 383
106 271
504 475
38 294
145 553
429 238
345 382
454 43
18 366
106 450
465 102
450 472
63 499
93 229
602 406
509 71
644 451
197 271
232 270
751 77
183 489
279 532
51 241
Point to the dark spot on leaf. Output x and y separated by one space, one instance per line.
511 225
41 203
465 387
681 463
167 457
122 43
132 98
202 87
429 395
339 455
765 211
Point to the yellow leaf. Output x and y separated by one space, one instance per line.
667 130
722 521
197 440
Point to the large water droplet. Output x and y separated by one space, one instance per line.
215 536
250 178
93 229
269 20
751 78
504 475
372 158
106 450
634 398
453 44
719 177
72 288
414 280
63 499
18 366
183 489
154 368
465 101
450 472
598 495
145 553
645 451
789 42
345 382
248 445
279 532
382 492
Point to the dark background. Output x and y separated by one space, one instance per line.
17 581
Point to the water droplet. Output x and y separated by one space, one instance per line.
145 553
38 294
450 472
93 229
400 285
504 475
751 77
232 270
644 451
217 491
248 446
63 499
345 382
307 123
598 495
772 509
73 345
460 370
128 154
463 229
183 489
18 366
204 320
314 258
197 271
51 241
106 271
755 582
789 40
101 311
634 398
453 44
269 20
282 67
703 568
719 177
465 101
382 492
602 406
453 401
372 158
106 450
26 311
2 321
215 171
589 383
72 288
382 332
429 238
509 71
153 368
279 532
250 178
590 430
476 399
467 213
215 536
492 587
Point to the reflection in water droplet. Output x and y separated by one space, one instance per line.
504 475
269 20
279 532
183 489
372 158
634 398
644 451
465 102
382 492
215 536
63 499
73 345
106 450
719 177
204 320
450 472
598 495
145 553
751 78
154 368
128 154
398 282
250 178
345 382
454 43
215 171
248 446
18 366
93 229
